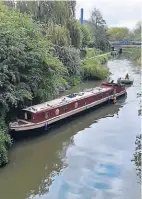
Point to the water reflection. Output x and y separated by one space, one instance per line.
109 170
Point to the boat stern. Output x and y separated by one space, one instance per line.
19 125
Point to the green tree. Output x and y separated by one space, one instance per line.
100 30
43 11
5 143
75 33
137 31
27 69
72 5
118 33
10 4
70 57
60 14
59 35
86 35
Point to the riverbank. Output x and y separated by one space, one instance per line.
137 156
5 144
133 54
92 66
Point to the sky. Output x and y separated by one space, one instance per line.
117 13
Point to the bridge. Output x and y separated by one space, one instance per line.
125 44
119 45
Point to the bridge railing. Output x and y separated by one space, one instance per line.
127 42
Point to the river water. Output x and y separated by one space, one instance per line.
88 157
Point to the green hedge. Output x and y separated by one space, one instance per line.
92 52
92 69
5 143
134 54
103 58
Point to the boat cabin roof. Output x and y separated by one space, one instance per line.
66 99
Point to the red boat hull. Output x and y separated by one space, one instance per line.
42 116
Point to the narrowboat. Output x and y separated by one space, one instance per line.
44 114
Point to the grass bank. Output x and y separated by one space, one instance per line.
103 58
134 54
5 143
92 66
137 156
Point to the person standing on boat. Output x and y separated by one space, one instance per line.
127 76
119 81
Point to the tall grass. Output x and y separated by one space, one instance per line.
92 52
92 69
134 54
5 143
92 66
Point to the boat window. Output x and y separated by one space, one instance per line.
25 115
46 115
66 108
76 105
57 111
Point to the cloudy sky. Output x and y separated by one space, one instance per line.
115 12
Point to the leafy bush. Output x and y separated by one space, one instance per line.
75 33
27 69
91 69
92 52
137 156
134 54
70 57
86 35
59 35
102 59
5 143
